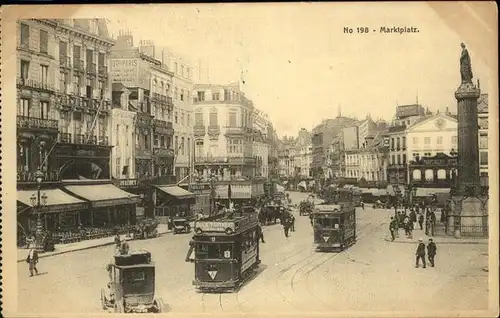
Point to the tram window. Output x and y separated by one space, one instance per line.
214 251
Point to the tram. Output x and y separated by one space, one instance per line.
226 252
334 222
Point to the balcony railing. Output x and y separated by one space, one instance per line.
64 61
37 123
36 85
48 176
235 131
79 139
199 131
65 138
78 65
91 68
214 130
103 71
210 159
103 141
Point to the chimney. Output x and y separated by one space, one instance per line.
147 47
125 39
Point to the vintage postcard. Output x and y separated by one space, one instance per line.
250 159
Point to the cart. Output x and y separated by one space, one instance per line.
181 226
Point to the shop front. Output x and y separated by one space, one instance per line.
173 201
109 205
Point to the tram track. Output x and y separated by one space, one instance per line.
322 258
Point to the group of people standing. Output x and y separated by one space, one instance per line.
407 221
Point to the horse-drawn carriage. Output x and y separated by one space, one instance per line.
270 213
306 207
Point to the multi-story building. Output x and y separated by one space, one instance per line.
222 130
406 115
183 112
260 149
369 162
64 103
286 158
303 154
482 113
323 136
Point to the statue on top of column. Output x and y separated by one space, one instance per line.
465 66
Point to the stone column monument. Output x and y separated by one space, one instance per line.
470 205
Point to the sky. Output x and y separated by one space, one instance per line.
298 64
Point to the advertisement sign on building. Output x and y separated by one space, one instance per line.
130 72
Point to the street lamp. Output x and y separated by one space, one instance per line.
38 201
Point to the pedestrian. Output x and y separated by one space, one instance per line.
286 226
393 227
432 222
413 216
260 234
409 229
420 253
32 260
311 218
117 241
362 205
421 221
292 222
431 251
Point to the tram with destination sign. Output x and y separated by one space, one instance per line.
334 222
225 250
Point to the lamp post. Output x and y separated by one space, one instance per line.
38 201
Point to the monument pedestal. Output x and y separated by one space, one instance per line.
470 216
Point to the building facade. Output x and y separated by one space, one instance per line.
369 162
483 113
223 132
303 154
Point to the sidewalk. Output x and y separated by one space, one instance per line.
420 234
22 254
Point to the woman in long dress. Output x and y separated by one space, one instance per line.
465 66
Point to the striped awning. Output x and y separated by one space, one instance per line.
103 195
177 192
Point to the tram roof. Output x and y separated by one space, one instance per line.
328 208
227 224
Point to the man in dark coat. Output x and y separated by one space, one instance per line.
413 216
260 233
420 253
393 227
292 222
431 251
286 226
32 260
421 221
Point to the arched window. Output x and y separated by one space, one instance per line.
441 174
429 175
417 175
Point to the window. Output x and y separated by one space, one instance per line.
117 135
188 147
182 118
176 118
213 118
44 110
25 36
175 67
182 94
427 140
439 140
454 140
126 134
188 123
44 73
146 142
429 175
399 159
415 140
441 174
417 175
201 96
392 144
199 148
398 143
25 67
213 251
24 107
232 119
235 146
118 170
215 96
404 158
162 141
44 41
182 70
176 144
198 119
76 84
156 140
483 141
483 158
404 143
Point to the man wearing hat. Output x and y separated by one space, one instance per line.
420 253
32 259
431 251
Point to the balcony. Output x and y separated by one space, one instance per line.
103 141
103 71
396 166
78 65
65 138
162 126
169 101
214 131
37 123
235 131
91 69
64 62
199 131
163 152
29 177
79 139
202 160
35 85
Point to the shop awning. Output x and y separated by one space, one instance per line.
177 192
57 200
103 195
373 191
427 192
380 193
